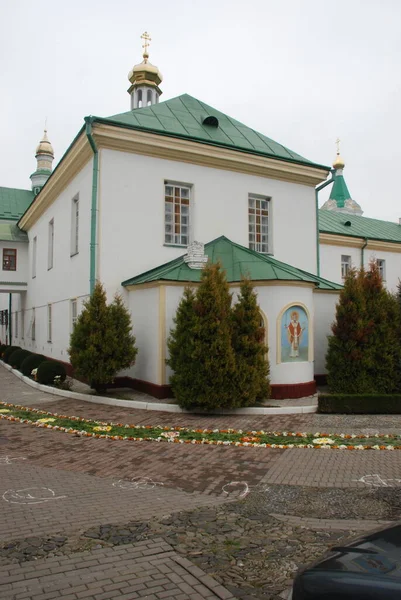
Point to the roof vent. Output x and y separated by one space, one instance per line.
347 223
210 120
195 257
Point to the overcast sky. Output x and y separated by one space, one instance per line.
302 72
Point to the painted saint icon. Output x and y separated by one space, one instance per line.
294 335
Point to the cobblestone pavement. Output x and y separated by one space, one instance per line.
98 523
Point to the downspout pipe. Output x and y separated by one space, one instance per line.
317 190
94 204
10 321
363 252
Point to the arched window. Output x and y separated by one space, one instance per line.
139 95
149 100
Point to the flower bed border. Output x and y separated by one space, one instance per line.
171 434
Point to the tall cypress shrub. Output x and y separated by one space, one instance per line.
252 367
345 359
181 348
365 350
102 344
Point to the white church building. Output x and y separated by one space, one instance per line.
133 200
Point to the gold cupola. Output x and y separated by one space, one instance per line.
338 161
44 146
44 163
145 79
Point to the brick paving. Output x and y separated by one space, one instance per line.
83 501
148 569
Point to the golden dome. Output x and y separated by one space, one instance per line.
45 146
145 71
339 162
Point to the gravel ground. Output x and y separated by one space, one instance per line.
239 543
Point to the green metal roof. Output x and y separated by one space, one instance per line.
362 227
339 191
183 117
9 232
237 261
14 202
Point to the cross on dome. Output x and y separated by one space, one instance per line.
146 38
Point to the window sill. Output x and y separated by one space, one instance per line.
49 268
74 254
10 270
175 245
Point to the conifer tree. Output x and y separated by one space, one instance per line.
345 360
365 349
252 367
181 348
101 343
207 380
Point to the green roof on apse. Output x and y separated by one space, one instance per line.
14 202
183 117
237 261
363 227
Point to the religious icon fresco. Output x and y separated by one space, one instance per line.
294 335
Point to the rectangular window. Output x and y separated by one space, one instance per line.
22 324
50 253
74 225
176 214
49 322
9 259
381 264
74 313
33 329
16 325
258 220
34 252
345 265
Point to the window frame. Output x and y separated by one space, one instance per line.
74 249
73 319
16 324
381 265
49 324
22 323
50 247
346 265
33 329
11 255
256 228
34 255
180 209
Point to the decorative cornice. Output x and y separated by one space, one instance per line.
171 148
73 162
13 283
333 239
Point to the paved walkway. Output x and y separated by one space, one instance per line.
148 569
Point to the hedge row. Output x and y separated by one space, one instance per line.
362 404
26 361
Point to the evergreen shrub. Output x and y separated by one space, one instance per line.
3 348
17 357
102 343
251 379
48 370
369 404
217 353
364 352
7 353
31 362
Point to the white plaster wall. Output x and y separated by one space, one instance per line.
69 277
21 273
131 209
325 312
272 300
143 305
330 262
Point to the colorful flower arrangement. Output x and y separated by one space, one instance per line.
79 426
